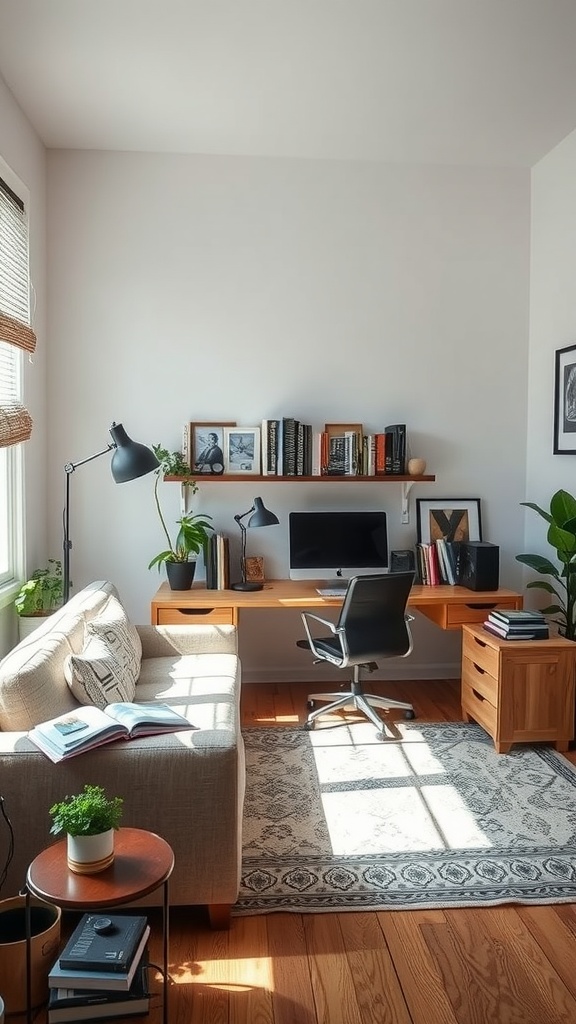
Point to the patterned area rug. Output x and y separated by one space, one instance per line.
338 820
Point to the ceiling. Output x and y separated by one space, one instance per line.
433 81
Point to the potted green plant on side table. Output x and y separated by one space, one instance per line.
89 820
194 530
40 596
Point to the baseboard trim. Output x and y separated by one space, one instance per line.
400 672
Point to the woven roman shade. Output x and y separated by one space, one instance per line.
15 424
17 333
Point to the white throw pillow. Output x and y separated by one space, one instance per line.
114 628
97 677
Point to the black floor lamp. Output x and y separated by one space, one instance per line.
130 460
261 516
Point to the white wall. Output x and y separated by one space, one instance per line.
552 326
24 154
193 288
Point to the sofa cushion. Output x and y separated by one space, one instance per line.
109 665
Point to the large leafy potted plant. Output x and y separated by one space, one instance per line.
39 596
193 529
561 536
89 820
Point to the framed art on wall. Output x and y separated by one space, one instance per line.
453 519
565 401
207 447
242 450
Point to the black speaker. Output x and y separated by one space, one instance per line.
478 565
402 561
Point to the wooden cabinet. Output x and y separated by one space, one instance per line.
173 608
520 691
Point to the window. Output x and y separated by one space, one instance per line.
15 424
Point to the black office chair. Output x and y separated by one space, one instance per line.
373 624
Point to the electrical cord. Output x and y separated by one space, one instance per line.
10 853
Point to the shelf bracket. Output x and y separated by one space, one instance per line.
407 486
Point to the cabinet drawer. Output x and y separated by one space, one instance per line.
195 616
479 708
479 651
479 679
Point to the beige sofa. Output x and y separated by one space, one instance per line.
187 786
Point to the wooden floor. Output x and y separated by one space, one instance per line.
510 965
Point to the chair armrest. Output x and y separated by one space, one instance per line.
325 622
166 641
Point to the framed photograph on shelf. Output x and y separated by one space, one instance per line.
207 447
242 450
453 519
565 401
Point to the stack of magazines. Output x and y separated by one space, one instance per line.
517 625
102 970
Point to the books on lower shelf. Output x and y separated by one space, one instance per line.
89 948
87 727
80 1003
512 624
108 981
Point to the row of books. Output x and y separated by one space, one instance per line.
517 624
217 562
292 448
102 972
438 562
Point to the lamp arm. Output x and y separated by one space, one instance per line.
67 544
243 543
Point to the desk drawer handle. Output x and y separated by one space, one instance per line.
195 611
479 642
478 695
478 669
482 605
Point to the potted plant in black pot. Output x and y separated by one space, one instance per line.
561 519
193 530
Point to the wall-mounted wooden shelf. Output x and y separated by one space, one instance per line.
273 479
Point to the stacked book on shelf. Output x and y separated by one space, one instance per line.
517 625
102 971
292 448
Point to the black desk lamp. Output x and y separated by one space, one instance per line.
260 517
130 460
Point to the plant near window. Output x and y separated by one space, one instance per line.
87 814
561 536
194 530
42 593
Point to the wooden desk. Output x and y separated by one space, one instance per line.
448 607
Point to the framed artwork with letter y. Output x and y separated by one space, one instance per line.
453 519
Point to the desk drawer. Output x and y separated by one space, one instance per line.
457 614
476 677
195 616
480 709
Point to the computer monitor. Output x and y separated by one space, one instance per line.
337 545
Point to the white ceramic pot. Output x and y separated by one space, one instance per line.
87 855
416 467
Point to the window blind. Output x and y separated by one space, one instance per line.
15 332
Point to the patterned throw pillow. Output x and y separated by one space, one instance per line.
109 666
97 677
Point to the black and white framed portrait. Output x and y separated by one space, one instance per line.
242 450
565 401
207 444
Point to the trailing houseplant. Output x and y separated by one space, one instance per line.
89 820
561 519
193 529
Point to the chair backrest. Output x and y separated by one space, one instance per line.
372 622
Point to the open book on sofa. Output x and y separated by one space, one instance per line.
88 727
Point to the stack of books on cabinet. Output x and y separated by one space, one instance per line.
217 562
292 448
102 971
517 624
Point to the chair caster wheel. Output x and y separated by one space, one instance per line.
310 704
409 715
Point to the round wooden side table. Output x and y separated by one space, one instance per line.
142 862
